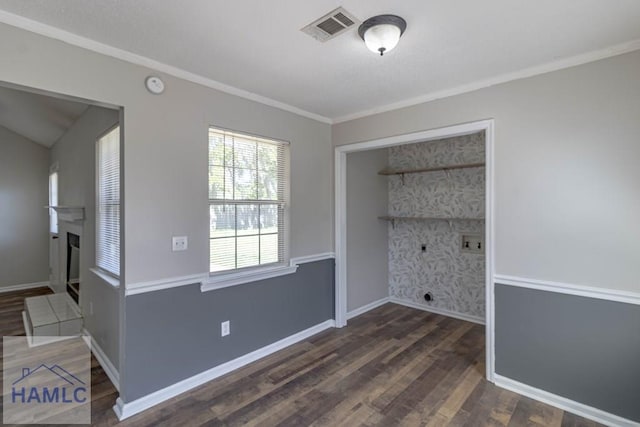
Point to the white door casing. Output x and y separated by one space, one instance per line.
341 216
55 281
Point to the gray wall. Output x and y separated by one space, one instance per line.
166 151
567 209
566 174
24 191
75 154
175 333
367 239
165 169
581 348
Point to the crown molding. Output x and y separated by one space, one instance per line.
133 58
560 64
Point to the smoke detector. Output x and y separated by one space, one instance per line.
330 25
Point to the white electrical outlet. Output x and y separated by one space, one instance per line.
225 328
180 243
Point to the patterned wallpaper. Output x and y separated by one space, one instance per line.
454 278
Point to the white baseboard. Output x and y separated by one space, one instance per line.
368 307
127 409
461 316
574 407
104 361
24 286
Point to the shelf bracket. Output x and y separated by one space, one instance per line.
448 175
393 222
402 178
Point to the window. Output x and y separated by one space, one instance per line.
248 191
53 201
108 202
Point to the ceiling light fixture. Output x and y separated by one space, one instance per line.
382 33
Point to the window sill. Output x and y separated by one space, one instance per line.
110 280
213 283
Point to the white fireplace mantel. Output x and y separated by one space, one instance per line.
69 213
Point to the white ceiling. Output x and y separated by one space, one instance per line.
40 118
257 46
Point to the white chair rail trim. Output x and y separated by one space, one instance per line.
209 283
569 289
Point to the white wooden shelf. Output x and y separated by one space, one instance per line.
393 219
432 169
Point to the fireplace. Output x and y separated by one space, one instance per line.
73 266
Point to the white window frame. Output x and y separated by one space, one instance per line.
222 279
101 271
54 226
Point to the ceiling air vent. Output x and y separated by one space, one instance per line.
331 25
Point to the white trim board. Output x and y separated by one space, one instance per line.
549 67
312 258
569 289
52 32
125 410
143 61
563 403
368 307
443 312
207 284
169 282
104 361
340 203
215 282
25 286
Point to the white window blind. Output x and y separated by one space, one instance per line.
53 201
108 209
248 191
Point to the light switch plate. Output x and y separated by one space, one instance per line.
180 243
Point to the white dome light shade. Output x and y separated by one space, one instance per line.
382 38
382 33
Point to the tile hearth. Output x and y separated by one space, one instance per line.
50 318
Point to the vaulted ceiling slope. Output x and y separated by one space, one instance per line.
257 46
39 118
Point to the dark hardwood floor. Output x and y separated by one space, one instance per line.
103 393
393 366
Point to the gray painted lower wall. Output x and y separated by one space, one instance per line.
584 349
174 334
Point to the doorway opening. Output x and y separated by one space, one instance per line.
471 237
49 145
